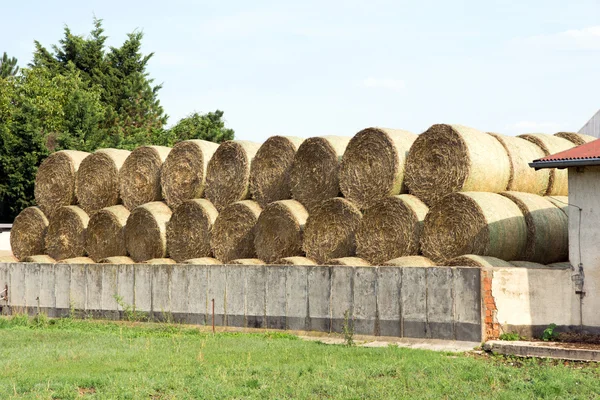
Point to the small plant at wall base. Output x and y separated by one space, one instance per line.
549 333
348 329
510 336
129 312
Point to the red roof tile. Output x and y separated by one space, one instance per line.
585 151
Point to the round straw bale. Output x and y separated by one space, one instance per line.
391 228
117 260
471 260
279 230
330 230
295 261
372 167
105 236
527 264
314 176
77 260
410 261
561 202
564 265
247 261
270 169
160 261
234 229
39 258
485 224
228 173
183 174
348 261
55 180
98 179
454 158
547 228
139 178
523 178
203 261
65 237
28 233
558 182
576 138
8 259
146 231
189 230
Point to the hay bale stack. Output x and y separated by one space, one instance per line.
190 228
485 224
247 261
55 180
98 179
117 260
234 230
330 230
523 178
348 261
77 260
527 264
471 260
547 228
160 261
105 235
279 230
28 233
8 259
295 261
372 167
39 258
576 138
270 169
146 231
65 237
314 177
139 178
228 173
183 175
391 229
561 202
410 261
558 182
203 261
454 158
565 265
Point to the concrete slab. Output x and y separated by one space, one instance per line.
17 288
541 349
414 302
161 292
453 346
440 303
389 283
47 290
197 295
319 296
143 287
275 296
4 282
467 304
32 287
296 298
78 286
342 296
235 303
94 288
110 287
126 285
216 289
62 289
365 300
179 291
255 296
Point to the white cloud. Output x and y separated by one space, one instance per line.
574 39
534 127
390 84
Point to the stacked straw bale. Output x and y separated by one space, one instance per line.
183 174
28 233
234 231
228 173
56 179
203 261
295 261
279 230
565 265
190 228
523 178
479 223
372 167
65 237
160 261
77 260
471 260
271 167
315 171
576 138
8 259
139 177
561 202
391 229
247 261
349 261
558 182
527 264
410 261
98 179
330 230
454 158
547 228
117 260
39 258
105 235
146 231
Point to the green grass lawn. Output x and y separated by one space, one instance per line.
73 358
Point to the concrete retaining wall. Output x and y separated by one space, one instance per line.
431 302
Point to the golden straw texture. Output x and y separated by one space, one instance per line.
203 261
190 229
471 260
160 261
295 261
65 237
28 233
105 235
576 138
410 261
117 260
146 231
39 258
247 261
348 261
233 231
77 260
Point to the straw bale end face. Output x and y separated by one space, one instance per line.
105 236
145 231
234 230
372 167
66 233
471 260
28 233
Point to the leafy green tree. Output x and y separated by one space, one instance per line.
8 66
209 127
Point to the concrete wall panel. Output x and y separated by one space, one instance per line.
32 287
235 305
440 303
143 287
216 290
389 300
342 296
275 296
365 301
255 296
197 294
414 302
319 295
296 285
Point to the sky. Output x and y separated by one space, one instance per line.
310 68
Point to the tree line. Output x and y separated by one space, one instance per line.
81 95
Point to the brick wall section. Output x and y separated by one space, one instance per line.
491 325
